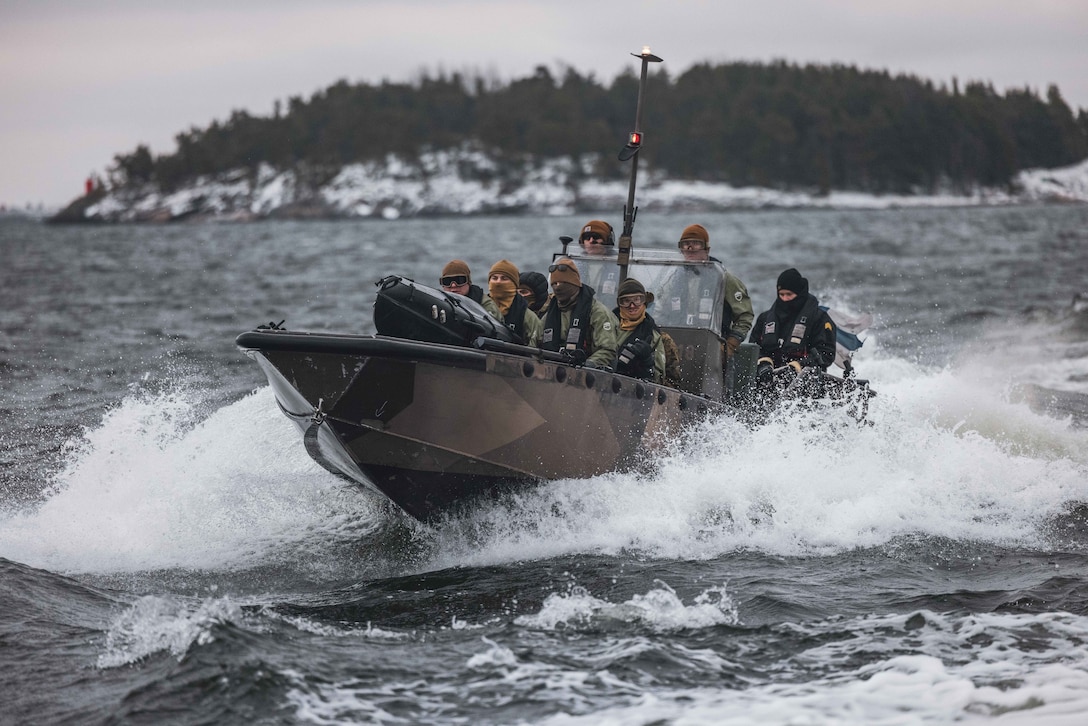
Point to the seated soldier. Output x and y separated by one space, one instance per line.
639 342
534 288
575 322
456 278
795 332
508 307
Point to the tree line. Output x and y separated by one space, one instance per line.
778 125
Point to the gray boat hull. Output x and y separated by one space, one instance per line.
432 427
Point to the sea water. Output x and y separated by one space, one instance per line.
171 555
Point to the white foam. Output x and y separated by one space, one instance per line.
916 668
912 668
156 487
154 624
660 609
947 456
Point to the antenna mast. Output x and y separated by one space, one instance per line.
630 151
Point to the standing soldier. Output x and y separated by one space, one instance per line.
737 314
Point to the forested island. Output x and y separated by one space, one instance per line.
810 129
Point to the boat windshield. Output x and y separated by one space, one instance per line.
686 294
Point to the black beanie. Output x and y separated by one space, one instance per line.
536 282
791 280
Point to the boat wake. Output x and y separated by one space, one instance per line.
946 456
153 488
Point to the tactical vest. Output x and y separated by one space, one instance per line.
515 316
786 347
644 331
578 332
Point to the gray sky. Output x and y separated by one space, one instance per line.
81 81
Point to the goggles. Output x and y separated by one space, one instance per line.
592 236
631 301
691 245
562 267
453 280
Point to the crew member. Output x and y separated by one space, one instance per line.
457 278
795 332
534 288
575 322
597 237
737 313
639 342
508 307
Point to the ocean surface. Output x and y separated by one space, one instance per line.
170 555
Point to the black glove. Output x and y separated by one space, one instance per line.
765 370
574 357
636 352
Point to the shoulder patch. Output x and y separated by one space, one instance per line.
607 326
738 295
827 326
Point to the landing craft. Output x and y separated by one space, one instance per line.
388 411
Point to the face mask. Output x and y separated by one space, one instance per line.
502 293
565 293
793 305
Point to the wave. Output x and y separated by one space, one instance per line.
948 455
154 487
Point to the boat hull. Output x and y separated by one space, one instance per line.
433 427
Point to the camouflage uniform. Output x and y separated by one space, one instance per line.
672 360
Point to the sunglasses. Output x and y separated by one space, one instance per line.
632 301
453 280
562 267
592 236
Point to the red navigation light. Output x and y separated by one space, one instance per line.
635 139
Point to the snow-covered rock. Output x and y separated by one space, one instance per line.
1067 184
469 181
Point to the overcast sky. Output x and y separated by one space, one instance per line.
82 81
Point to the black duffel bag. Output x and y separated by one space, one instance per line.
406 309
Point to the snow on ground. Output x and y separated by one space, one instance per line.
468 181
1069 183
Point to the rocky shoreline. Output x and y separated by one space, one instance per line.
469 183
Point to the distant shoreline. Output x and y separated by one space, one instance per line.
396 190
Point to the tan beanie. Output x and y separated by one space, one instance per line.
570 274
456 267
507 267
597 226
696 232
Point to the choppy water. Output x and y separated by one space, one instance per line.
168 553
